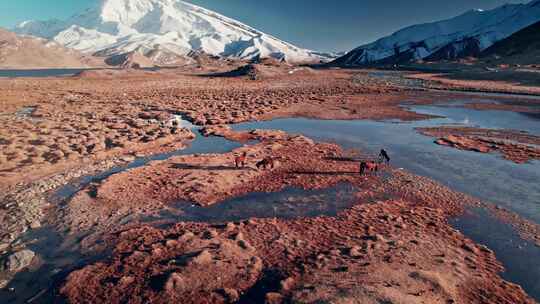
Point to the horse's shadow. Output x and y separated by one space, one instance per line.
325 173
349 159
342 159
209 168
233 168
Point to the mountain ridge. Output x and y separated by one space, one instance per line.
173 27
465 35
522 47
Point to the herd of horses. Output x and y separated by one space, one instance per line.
373 166
269 162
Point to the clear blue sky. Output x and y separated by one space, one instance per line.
317 24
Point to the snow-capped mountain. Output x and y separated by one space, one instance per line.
462 36
164 29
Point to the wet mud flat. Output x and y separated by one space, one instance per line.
304 256
24 205
59 254
287 258
90 236
291 256
204 180
394 189
511 249
44 237
56 255
200 145
394 249
518 147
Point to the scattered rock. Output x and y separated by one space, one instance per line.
202 258
176 283
128 158
470 248
273 298
355 251
210 233
4 247
287 284
19 260
232 295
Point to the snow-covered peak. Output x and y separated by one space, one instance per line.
120 26
126 12
44 29
464 35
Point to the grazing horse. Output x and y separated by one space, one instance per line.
383 156
265 163
240 161
370 166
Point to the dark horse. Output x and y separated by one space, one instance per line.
384 156
370 166
240 161
265 163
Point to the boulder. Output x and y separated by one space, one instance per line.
273 298
19 260
355 251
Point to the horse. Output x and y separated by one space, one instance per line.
383 156
240 160
368 165
265 163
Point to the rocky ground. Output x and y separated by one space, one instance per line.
394 244
55 134
515 146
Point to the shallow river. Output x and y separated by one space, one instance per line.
485 176
39 73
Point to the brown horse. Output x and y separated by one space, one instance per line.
370 166
265 163
240 160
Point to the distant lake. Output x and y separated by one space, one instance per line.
40 73
61 72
